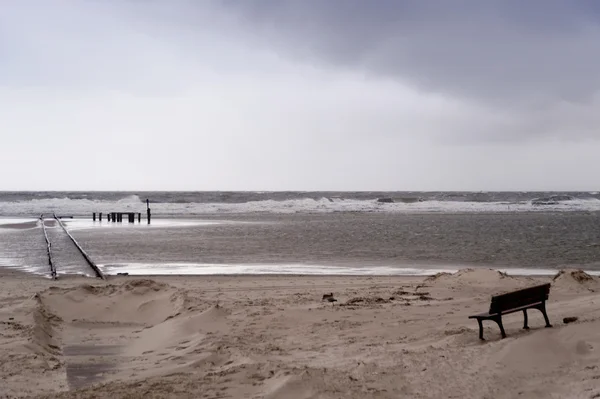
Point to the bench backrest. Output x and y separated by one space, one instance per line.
519 298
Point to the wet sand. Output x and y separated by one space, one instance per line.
538 240
274 337
543 241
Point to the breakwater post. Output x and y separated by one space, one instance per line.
148 210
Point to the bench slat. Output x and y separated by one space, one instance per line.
513 310
516 299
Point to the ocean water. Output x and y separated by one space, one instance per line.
208 203
352 233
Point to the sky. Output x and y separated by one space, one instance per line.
299 95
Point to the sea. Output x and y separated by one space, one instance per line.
300 232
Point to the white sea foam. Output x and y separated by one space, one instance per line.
297 269
88 223
80 207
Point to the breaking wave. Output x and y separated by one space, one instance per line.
191 204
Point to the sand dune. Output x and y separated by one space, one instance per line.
144 302
575 281
486 279
274 337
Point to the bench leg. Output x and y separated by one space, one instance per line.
480 329
498 320
525 326
543 310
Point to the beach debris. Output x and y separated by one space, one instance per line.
329 298
568 320
123 274
365 300
424 296
420 295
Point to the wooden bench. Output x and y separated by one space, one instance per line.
517 301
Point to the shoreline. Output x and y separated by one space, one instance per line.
510 271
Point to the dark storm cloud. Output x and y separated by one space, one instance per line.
510 53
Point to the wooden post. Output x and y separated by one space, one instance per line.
148 210
100 216
139 217
94 216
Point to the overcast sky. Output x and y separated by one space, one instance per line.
299 95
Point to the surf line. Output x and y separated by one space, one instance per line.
89 261
48 249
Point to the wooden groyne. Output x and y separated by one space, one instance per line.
49 250
90 262
117 217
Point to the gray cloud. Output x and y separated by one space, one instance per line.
528 70
513 52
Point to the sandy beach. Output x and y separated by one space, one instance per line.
274 337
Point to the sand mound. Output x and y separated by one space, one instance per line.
109 331
469 277
575 280
138 301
